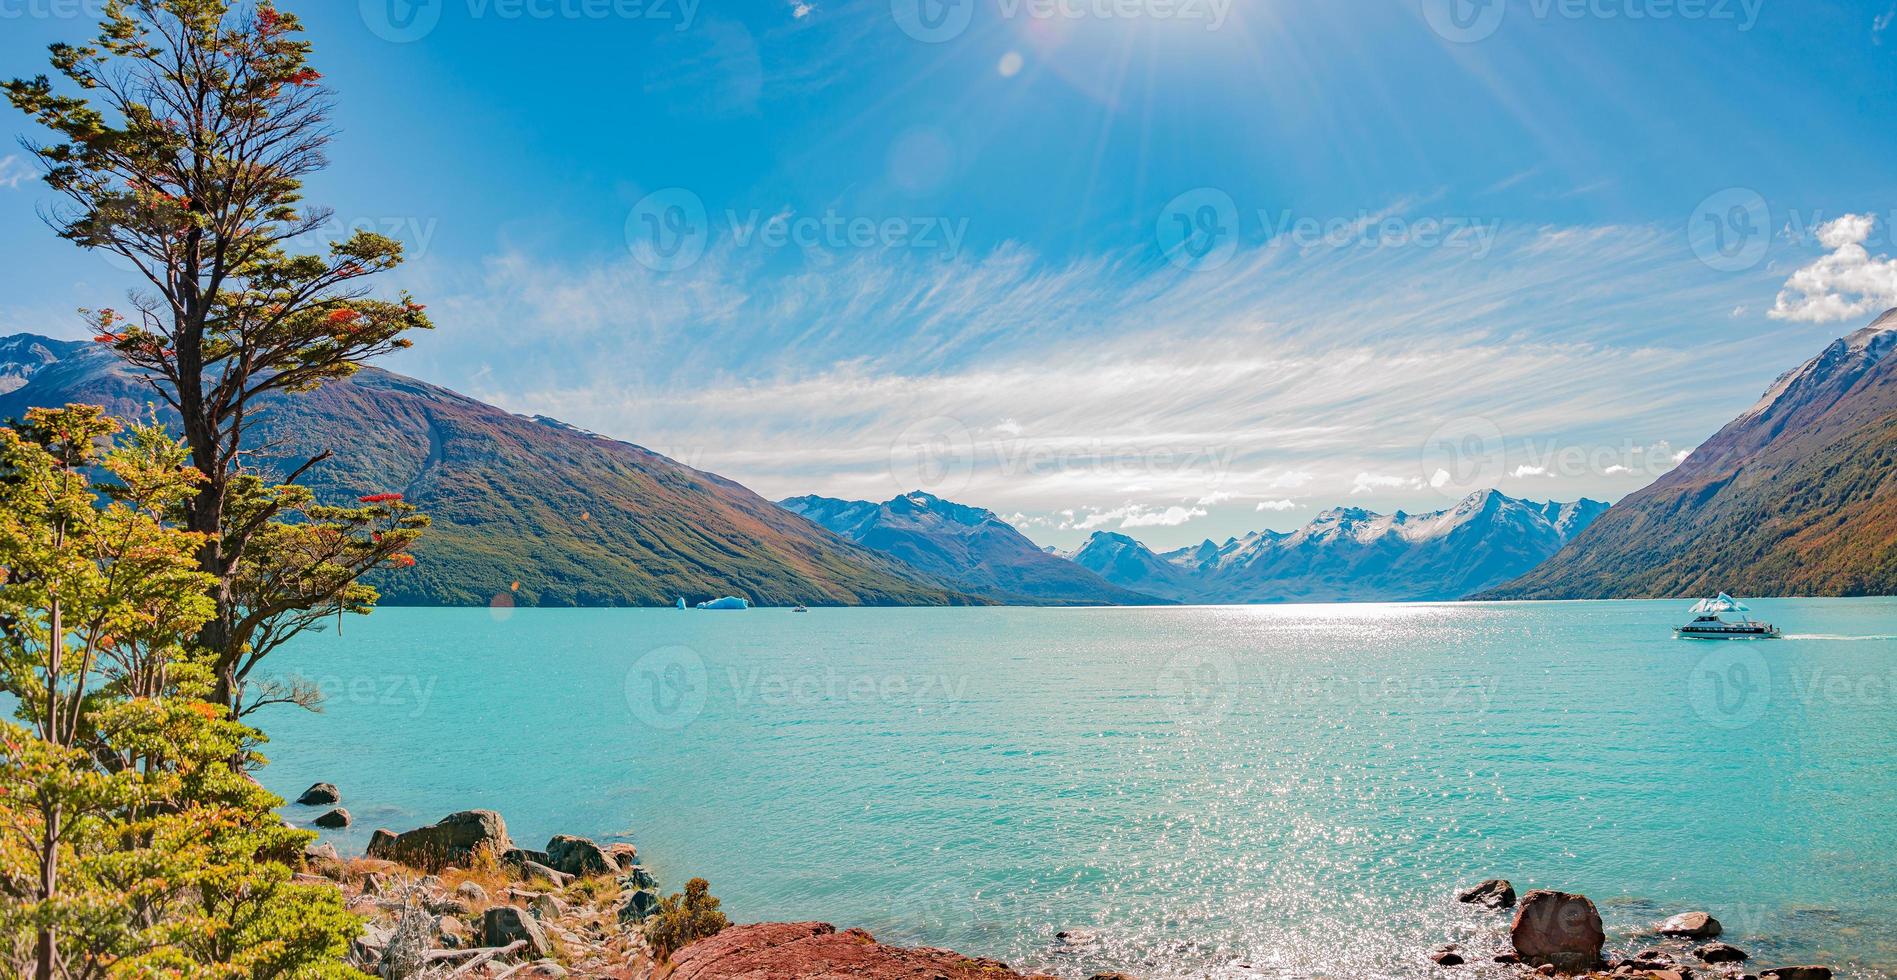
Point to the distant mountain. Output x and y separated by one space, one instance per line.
572 517
1797 496
966 546
1353 555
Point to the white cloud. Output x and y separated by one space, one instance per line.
1372 482
1279 505
1170 517
1214 498
1136 515
1618 470
13 171
1881 23
1845 284
1525 471
801 10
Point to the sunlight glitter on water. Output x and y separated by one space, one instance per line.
1298 789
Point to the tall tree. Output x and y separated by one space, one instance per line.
128 845
183 151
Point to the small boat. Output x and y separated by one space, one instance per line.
1709 622
801 608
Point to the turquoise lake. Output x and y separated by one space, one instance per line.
1290 791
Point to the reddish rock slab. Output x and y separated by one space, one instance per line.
817 951
1558 929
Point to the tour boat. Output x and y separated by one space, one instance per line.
1707 623
801 608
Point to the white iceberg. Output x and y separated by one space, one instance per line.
728 602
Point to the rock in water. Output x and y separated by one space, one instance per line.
1796 973
1690 925
333 820
1720 953
624 855
504 924
321 794
1558 929
1495 893
579 857
454 839
1446 956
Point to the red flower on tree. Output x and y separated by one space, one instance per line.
379 498
306 76
344 315
402 561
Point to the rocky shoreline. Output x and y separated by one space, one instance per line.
459 898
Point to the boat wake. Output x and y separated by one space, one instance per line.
1833 636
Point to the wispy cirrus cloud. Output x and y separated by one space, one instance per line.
14 171
1185 397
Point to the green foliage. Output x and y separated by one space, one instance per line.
684 919
129 846
183 137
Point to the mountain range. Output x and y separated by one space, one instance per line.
966 546
525 510
1349 554
1797 496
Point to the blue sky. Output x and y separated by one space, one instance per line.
1184 268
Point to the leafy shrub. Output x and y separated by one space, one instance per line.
684 919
